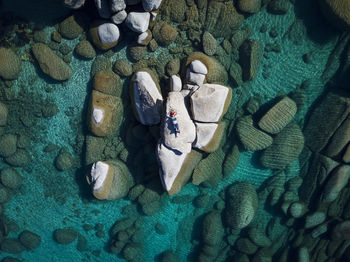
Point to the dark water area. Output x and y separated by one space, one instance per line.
174 130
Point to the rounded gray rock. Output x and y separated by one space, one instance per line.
10 64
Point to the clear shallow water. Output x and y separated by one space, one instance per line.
49 199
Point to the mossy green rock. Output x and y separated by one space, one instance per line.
285 148
72 26
10 64
108 83
250 55
209 44
65 236
278 116
241 205
252 138
64 161
10 178
8 145
122 67
20 158
50 63
85 50
231 161
212 229
29 239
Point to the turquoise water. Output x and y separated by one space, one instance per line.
51 199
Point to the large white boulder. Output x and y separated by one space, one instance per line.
108 33
178 141
138 21
208 136
175 168
147 98
210 102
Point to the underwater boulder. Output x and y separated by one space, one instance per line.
10 178
175 168
241 205
208 171
337 180
250 55
110 180
29 239
105 114
178 141
65 236
212 229
108 83
85 50
337 12
209 44
3 113
104 35
278 116
251 137
341 231
339 140
50 63
164 33
249 6
286 147
64 160
72 26
231 160
209 136
8 144
10 64
122 67
146 97
210 102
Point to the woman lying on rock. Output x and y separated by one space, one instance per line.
174 122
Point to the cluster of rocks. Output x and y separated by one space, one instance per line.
105 34
272 131
207 103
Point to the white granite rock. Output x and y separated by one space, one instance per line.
138 21
153 16
119 17
150 5
195 78
108 33
205 133
147 98
185 93
209 102
197 66
175 83
98 115
181 141
117 5
341 231
99 171
190 87
142 37
103 8
171 162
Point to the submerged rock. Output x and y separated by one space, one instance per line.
85 50
250 54
8 145
146 97
285 148
209 44
337 12
72 26
241 205
65 235
50 63
29 239
249 6
10 178
210 102
106 112
108 83
278 116
252 138
3 114
110 180
336 182
10 64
